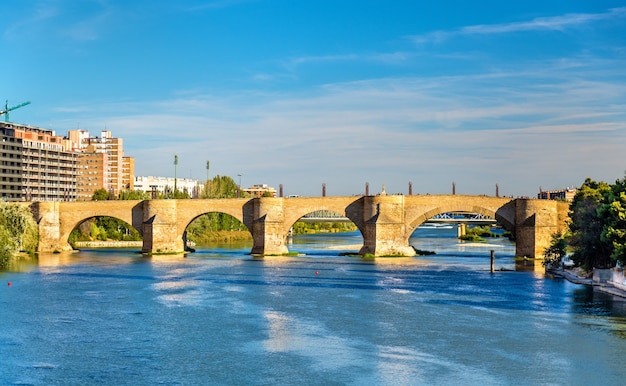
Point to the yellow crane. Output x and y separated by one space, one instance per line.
6 110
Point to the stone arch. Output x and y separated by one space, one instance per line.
66 236
78 212
294 211
500 214
184 232
192 209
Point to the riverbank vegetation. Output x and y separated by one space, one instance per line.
104 229
478 233
18 232
596 234
302 227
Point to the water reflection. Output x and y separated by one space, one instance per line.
224 317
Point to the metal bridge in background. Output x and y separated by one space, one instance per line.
450 218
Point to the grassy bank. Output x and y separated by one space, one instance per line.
220 237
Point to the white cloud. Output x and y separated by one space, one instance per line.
554 23
85 21
549 125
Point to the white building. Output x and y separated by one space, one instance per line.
166 184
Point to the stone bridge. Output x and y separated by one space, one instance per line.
386 221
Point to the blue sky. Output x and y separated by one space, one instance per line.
520 94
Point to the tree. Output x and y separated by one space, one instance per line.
220 187
587 225
100 195
613 212
553 255
18 231
134 195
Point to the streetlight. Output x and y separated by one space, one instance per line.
239 188
175 165
208 164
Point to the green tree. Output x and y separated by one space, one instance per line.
590 249
104 228
553 255
220 187
134 195
100 195
18 231
613 212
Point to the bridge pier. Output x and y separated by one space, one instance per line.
384 227
47 216
161 233
266 218
536 222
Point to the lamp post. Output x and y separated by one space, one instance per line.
175 165
239 188
208 164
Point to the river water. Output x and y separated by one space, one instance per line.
219 316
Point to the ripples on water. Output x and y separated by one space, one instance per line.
219 316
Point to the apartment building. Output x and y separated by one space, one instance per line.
566 194
92 166
101 163
35 165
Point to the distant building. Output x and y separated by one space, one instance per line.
166 184
92 167
101 163
261 190
36 165
566 194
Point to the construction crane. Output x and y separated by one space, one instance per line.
7 109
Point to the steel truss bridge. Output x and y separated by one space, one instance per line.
450 218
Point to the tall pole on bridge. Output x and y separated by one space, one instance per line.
410 188
175 166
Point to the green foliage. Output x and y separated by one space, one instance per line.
613 212
588 221
472 238
104 229
302 227
553 255
134 195
18 231
7 246
211 227
476 234
220 187
483 231
100 195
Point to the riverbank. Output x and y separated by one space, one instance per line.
610 281
108 244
